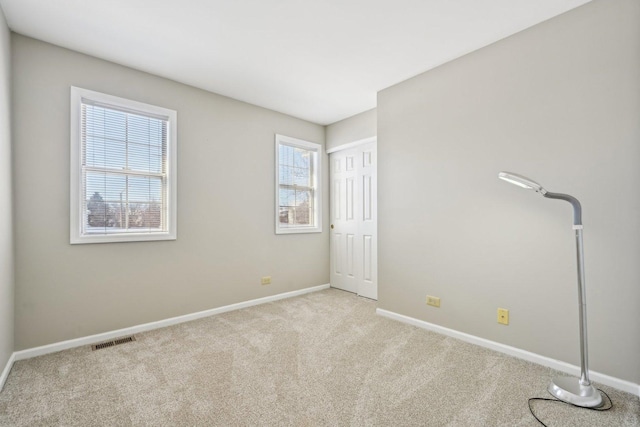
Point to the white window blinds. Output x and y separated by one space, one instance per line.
124 162
124 170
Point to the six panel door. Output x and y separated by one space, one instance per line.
353 220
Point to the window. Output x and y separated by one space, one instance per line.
298 193
123 169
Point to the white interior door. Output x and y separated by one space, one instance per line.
354 248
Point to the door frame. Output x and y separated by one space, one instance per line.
352 144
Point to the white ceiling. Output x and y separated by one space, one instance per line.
320 60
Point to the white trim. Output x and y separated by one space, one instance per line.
6 370
105 336
352 144
558 365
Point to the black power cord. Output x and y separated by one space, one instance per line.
602 408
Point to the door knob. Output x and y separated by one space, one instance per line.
332 226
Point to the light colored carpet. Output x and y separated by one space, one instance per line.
320 359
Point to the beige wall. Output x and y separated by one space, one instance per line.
226 238
6 223
559 103
352 129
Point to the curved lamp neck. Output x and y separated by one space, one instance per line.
577 209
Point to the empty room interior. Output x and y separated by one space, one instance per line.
301 213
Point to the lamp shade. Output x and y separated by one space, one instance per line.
521 181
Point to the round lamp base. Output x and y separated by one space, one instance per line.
569 389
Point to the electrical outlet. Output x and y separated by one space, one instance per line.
434 301
266 280
503 316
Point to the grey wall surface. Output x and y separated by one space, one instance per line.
560 103
6 209
352 129
226 238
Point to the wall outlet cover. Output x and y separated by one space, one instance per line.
433 301
503 316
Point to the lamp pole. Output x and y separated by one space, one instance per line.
582 306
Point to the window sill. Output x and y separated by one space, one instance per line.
121 238
298 230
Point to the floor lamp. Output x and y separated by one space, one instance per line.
572 390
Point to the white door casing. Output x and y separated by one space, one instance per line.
354 220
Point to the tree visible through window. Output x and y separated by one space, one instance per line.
126 179
297 176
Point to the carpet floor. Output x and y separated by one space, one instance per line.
323 359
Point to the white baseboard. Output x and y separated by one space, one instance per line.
92 339
568 368
6 370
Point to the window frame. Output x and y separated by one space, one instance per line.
317 187
77 176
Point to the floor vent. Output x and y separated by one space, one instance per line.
113 343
